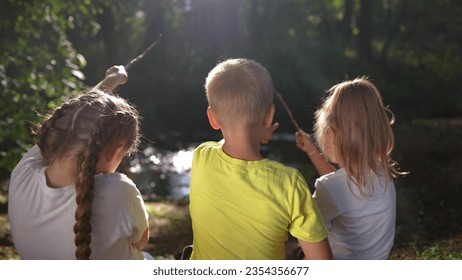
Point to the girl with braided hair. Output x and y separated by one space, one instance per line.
65 199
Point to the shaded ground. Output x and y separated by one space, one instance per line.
170 229
429 214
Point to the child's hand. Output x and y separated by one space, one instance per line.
303 141
115 76
268 133
118 73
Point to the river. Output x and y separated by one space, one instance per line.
164 174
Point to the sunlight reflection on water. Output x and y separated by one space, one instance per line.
162 174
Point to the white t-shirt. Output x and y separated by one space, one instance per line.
42 218
359 228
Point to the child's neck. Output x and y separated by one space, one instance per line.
60 174
241 145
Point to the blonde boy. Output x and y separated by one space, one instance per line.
243 206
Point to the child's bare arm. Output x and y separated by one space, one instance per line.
115 76
143 241
305 144
316 250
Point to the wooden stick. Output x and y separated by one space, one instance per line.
148 49
289 112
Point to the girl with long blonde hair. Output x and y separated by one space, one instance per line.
356 192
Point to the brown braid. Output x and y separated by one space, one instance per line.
44 141
79 130
85 184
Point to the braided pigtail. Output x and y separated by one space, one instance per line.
85 183
48 136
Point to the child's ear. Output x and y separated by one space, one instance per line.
268 121
213 122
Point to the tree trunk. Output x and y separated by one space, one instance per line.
108 34
365 30
259 16
345 24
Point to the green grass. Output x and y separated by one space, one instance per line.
442 250
3 198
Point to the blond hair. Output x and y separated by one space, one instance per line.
79 130
361 124
239 91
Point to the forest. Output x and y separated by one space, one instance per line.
51 50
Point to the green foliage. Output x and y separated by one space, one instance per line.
39 62
436 252
38 66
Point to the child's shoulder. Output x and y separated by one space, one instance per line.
114 180
339 173
208 145
116 187
279 165
283 170
338 176
205 148
32 160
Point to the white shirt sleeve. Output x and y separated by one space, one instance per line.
326 204
139 218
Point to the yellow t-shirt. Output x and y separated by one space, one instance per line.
245 209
